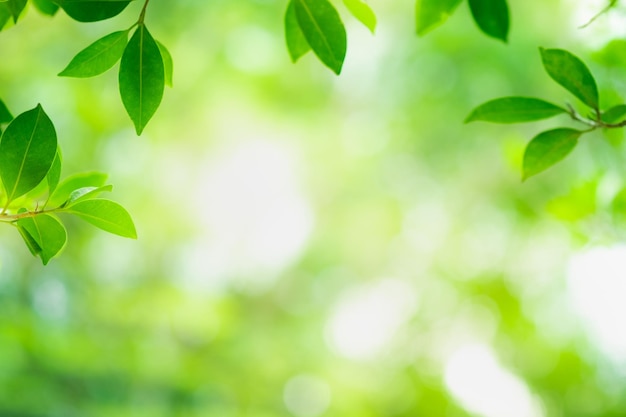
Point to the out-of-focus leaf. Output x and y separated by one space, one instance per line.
92 10
431 13
570 72
296 42
514 110
578 204
548 148
168 64
614 114
46 7
363 12
492 17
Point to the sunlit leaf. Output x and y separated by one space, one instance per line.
27 150
54 174
97 57
614 114
324 31
30 242
168 64
86 193
492 17
46 7
74 182
431 13
514 110
47 232
141 78
571 73
92 10
297 44
107 215
363 12
548 148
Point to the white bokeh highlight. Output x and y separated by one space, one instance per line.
306 396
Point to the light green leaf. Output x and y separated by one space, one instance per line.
92 10
571 73
142 78
431 13
54 174
614 114
46 7
86 193
324 31
514 110
492 17
618 206
548 148
27 150
74 182
5 15
30 242
296 42
97 57
168 64
107 215
363 12
5 114
47 232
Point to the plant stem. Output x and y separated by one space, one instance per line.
142 15
10 218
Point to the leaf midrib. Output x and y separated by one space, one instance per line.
30 141
319 29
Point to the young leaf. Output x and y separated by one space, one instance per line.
97 57
142 78
492 17
54 174
571 73
107 215
92 10
46 7
324 31
363 12
514 110
5 114
16 7
85 193
296 42
74 182
614 114
548 148
168 64
47 232
431 13
27 150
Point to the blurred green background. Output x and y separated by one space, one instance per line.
312 245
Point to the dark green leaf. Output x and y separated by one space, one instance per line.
107 215
31 244
47 232
492 17
15 8
86 193
27 150
142 78
570 72
97 57
168 64
74 182
54 174
431 13
5 114
5 15
324 31
296 42
92 10
514 110
363 12
614 114
548 148
46 7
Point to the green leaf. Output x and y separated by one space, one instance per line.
431 13
571 73
614 114
86 193
296 42
92 10
5 114
514 110
142 78
15 8
363 12
168 64
97 57
548 148
107 215
47 232
492 17
54 174
5 15
46 7
27 150
74 182
618 206
30 242
324 31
